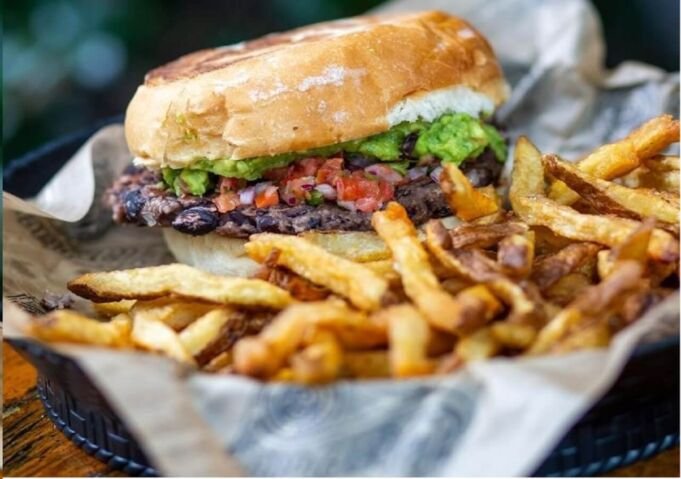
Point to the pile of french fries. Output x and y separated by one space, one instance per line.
585 249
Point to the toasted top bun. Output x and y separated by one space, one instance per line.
314 86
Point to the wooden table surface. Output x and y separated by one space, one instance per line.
32 445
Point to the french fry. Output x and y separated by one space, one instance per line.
635 247
606 230
321 360
199 334
68 326
181 281
478 346
358 246
359 284
263 355
384 268
549 269
411 260
464 200
661 176
476 307
594 335
484 235
177 315
513 335
469 264
409 337
220 363
109 310
366 364
148 333
591 302
516 254
610 198
604 263
523 308
566 288
617 159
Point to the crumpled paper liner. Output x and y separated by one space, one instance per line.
499 417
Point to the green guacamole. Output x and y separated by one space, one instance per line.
452 138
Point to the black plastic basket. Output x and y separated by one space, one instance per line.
636 419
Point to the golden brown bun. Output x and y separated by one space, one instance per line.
310 87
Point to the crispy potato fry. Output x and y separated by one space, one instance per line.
409 337
477 346
604 263
526 194
662 163
148 333
658 180
594 335
384 269
321 360
109 310
549 269
470 264
418 279
591 302
635 247
566 288
68 326
606 230
199 334
464 200
358 246
476 306
484 235
513 335
177 315
523 308
181 281
455 285
363 287
366 364
220 363
264 355
516 254
611 198
617 159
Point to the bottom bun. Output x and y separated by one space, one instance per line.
212 252
222 254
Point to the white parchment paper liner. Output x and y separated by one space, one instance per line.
498 417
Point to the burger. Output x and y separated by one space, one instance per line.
311 129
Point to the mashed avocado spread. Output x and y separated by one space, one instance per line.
452 138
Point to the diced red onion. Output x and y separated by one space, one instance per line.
348 205
384 172
247 195
306 182
327 191
435 174
416 173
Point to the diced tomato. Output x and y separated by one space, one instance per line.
268 197
367 193
227 201
304 167
330 170
387 191
230 184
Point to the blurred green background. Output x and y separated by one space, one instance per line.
69 63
